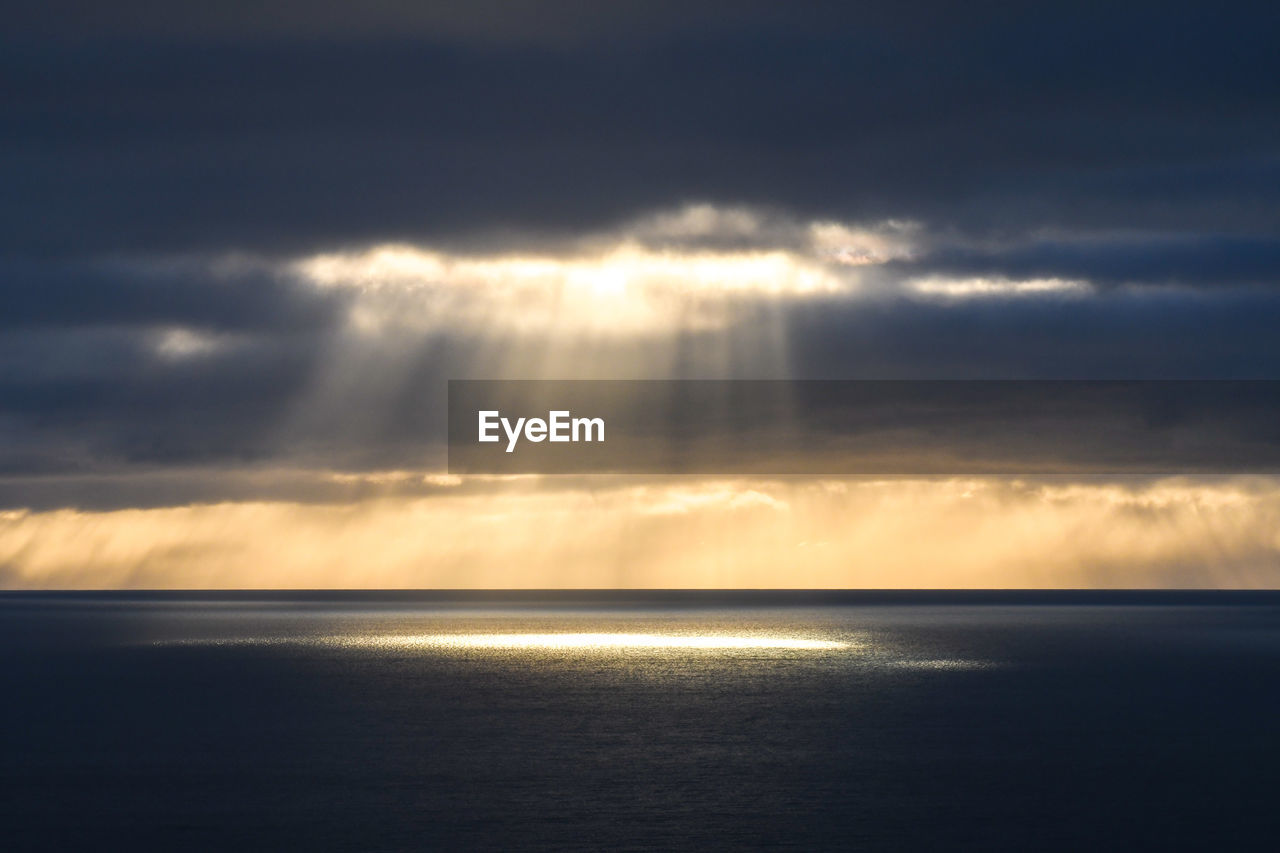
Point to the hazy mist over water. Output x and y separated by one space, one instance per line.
634 721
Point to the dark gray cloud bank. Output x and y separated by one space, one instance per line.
163 164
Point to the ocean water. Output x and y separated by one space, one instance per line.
640 721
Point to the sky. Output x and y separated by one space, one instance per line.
243 246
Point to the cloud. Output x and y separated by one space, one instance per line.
551 22
624 290
209 129
697 267
337 360
242 250
861 534
226 292
998 286
1112 259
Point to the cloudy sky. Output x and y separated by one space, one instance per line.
244 245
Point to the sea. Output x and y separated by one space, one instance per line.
640 720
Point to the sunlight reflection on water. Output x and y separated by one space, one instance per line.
588 642
846 642
575 642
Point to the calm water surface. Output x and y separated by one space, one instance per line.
633 722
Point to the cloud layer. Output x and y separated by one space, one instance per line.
337 360
241 250
868 534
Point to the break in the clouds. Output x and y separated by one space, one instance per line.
242 249
337 358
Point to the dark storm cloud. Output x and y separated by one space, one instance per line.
143 144
81 400
571 23
1190 260
1158 116
173 292
112 363
1165 334
876 427
520 21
